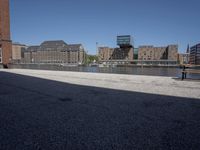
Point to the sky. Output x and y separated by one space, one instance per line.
149 22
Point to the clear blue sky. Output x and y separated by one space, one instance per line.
152 22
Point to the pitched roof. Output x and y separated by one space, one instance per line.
74 47
33 48
56 45
53 44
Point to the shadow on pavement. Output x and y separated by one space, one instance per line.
47 115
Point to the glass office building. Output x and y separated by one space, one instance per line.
124 40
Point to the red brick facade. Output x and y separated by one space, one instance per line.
5 42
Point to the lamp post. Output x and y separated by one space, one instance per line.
97 48
97 52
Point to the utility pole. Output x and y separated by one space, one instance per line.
97 51
96 48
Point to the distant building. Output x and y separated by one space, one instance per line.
18 52
55 52
158 53
124 41
126 50
195 54
123 53
114 54
105 53
183 58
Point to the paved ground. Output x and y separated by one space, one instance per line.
39 113
136 83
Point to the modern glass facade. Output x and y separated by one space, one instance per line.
135 53
124 40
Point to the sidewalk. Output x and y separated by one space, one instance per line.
138 83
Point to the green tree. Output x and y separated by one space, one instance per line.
91 59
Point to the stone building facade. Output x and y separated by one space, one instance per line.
55 52
5 42
146 53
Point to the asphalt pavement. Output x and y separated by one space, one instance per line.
44 114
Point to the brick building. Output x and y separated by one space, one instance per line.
105 53
5 42
124 52
55 52
158 53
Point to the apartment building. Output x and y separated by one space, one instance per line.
195 54
146 53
